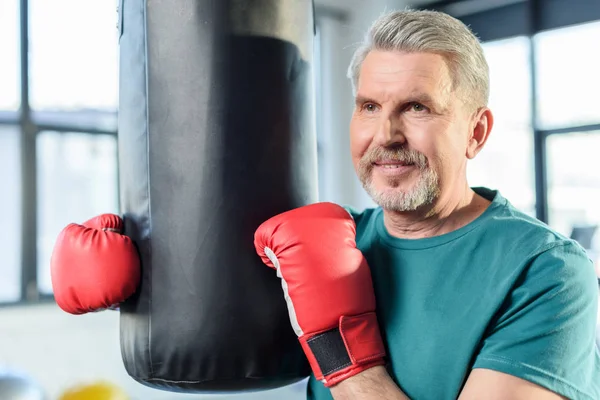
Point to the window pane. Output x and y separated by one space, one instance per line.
510 82
574 182
506 161
77 179
74 53
10 215
9 51
568 82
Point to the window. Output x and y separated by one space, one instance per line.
567 86
10 215
574 182
9 51
77 179
74 60
567 66
68 139
506 161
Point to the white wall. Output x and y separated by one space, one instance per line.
59 350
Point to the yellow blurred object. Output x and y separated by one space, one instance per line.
95 391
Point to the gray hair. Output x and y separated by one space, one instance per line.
414 31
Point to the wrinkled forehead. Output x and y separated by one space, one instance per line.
390 74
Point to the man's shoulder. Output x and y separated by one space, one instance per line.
535 254
506 226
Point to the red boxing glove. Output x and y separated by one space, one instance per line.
94 266
328 288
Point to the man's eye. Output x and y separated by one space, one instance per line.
370 107
417 107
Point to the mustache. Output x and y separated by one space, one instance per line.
402 155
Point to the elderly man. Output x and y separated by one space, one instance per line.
444 291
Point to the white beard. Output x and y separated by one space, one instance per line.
424 192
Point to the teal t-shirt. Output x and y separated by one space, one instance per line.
504 292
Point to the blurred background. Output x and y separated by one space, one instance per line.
58 151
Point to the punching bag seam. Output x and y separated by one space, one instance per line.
149 213
250 378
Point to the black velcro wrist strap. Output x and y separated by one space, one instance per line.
329 350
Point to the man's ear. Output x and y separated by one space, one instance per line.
481 126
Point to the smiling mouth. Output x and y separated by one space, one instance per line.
392 164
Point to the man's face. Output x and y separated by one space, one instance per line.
409 131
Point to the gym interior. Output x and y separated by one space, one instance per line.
61 72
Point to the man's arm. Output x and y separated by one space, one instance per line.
374 383
493 385
482 384
542 345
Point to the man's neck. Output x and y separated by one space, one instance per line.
448 213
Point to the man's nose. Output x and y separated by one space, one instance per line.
390 132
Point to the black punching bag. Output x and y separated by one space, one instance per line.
216 135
